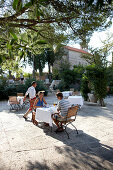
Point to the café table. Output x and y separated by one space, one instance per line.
20 99
76 100
43 114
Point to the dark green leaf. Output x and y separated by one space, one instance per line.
28 4
41 42
20 6
21 54
13 35
0 60
9 46
12 41
15 3
35 38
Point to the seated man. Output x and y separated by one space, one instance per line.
62 109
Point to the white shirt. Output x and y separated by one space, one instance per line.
32 92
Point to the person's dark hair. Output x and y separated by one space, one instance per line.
33 82
59 94
40 92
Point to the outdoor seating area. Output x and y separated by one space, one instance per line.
16 102
22 136
44 112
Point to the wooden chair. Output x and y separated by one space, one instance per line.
14 104
70 118
20 94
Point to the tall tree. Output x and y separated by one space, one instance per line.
83 17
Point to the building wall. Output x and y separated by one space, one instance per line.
75 59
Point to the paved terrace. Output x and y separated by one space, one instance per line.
24 146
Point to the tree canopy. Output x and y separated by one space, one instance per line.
51 20
82 16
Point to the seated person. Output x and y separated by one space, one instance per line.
62 109
38 103
40 100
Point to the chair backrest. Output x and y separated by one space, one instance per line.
20 94
13 99
72 111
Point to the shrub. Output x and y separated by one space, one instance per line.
40 85
62 86
3 94
97 75
12 90
84 87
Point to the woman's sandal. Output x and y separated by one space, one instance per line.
35 123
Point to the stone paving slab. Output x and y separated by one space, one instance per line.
24 146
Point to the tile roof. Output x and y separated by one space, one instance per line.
76 50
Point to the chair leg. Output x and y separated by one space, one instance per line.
19 106
66 132
75 128
11 107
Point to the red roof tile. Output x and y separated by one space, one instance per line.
76 49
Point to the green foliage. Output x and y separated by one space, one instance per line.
69 77
48 18
3 93
12 90
62 86
84 87
17 5
98 77
56 75
110 78
79 70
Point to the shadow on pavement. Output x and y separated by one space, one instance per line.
82 151
96 111
79 151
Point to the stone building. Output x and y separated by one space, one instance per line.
73 56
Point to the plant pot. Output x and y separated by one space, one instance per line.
92 98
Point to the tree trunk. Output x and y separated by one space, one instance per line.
34 67
9 74
39 75
49 68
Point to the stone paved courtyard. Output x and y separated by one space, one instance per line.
24 146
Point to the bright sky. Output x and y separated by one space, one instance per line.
95 42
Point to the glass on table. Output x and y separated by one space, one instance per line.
46 105
55 104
